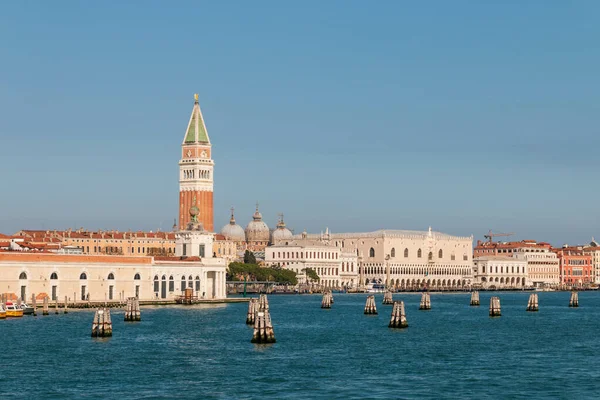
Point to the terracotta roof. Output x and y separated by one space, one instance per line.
513 245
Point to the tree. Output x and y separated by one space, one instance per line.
312 274
249 257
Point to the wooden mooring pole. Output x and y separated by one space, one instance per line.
263 328
33 304
132 310
425 302
574 301
495 307
45 310
475 298
370 307
252 309
66 305
327 300
102 324
532 303
398 318
387 297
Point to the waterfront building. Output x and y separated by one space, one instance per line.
196 169
335 268
105 242
403 259
575 265
593 249
542 263
500 272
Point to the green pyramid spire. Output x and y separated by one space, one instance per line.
196 130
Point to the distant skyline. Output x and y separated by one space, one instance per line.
463 116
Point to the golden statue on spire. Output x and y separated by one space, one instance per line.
196 97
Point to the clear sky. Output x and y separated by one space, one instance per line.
356 115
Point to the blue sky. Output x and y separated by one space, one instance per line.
463 115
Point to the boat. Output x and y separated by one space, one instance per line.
2 311
27 309
375 288
12 310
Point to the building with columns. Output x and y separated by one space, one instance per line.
401 259
500 272
196 169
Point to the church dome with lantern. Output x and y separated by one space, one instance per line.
233 231
282 232
257 230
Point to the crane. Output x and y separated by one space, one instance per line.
491 235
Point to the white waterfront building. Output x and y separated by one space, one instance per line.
500 272
398 258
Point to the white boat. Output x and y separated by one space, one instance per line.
375 288
27 309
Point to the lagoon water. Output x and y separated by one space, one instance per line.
204 352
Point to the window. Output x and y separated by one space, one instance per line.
440 253
430 256
137 277
393 252
83 276
185 249
465 257
202 250
111 276
23 275
419 253
54 276
372 252
405 253
171 284
183 283
156 284
197 283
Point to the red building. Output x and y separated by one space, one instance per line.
575 265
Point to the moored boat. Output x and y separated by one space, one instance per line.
27 309
12 310
2 311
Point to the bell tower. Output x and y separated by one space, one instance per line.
196 172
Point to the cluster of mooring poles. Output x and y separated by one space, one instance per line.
532 303
102 325
425 302
475 298
263 327
398 318
327 300
387 298
574 301
132 309
370 307
495 307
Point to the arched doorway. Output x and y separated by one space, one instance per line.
163 287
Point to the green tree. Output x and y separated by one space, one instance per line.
249 257
312 274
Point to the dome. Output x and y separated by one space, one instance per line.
257 230
233 231
282 233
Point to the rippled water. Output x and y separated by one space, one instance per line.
205 352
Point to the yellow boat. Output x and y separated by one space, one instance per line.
12 310
2 311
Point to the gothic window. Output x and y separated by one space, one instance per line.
83 276
405 253
440 253
23 275
419 253
393 253
171 284
372 252
465 257
183 283
54 276
111 276
137 277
